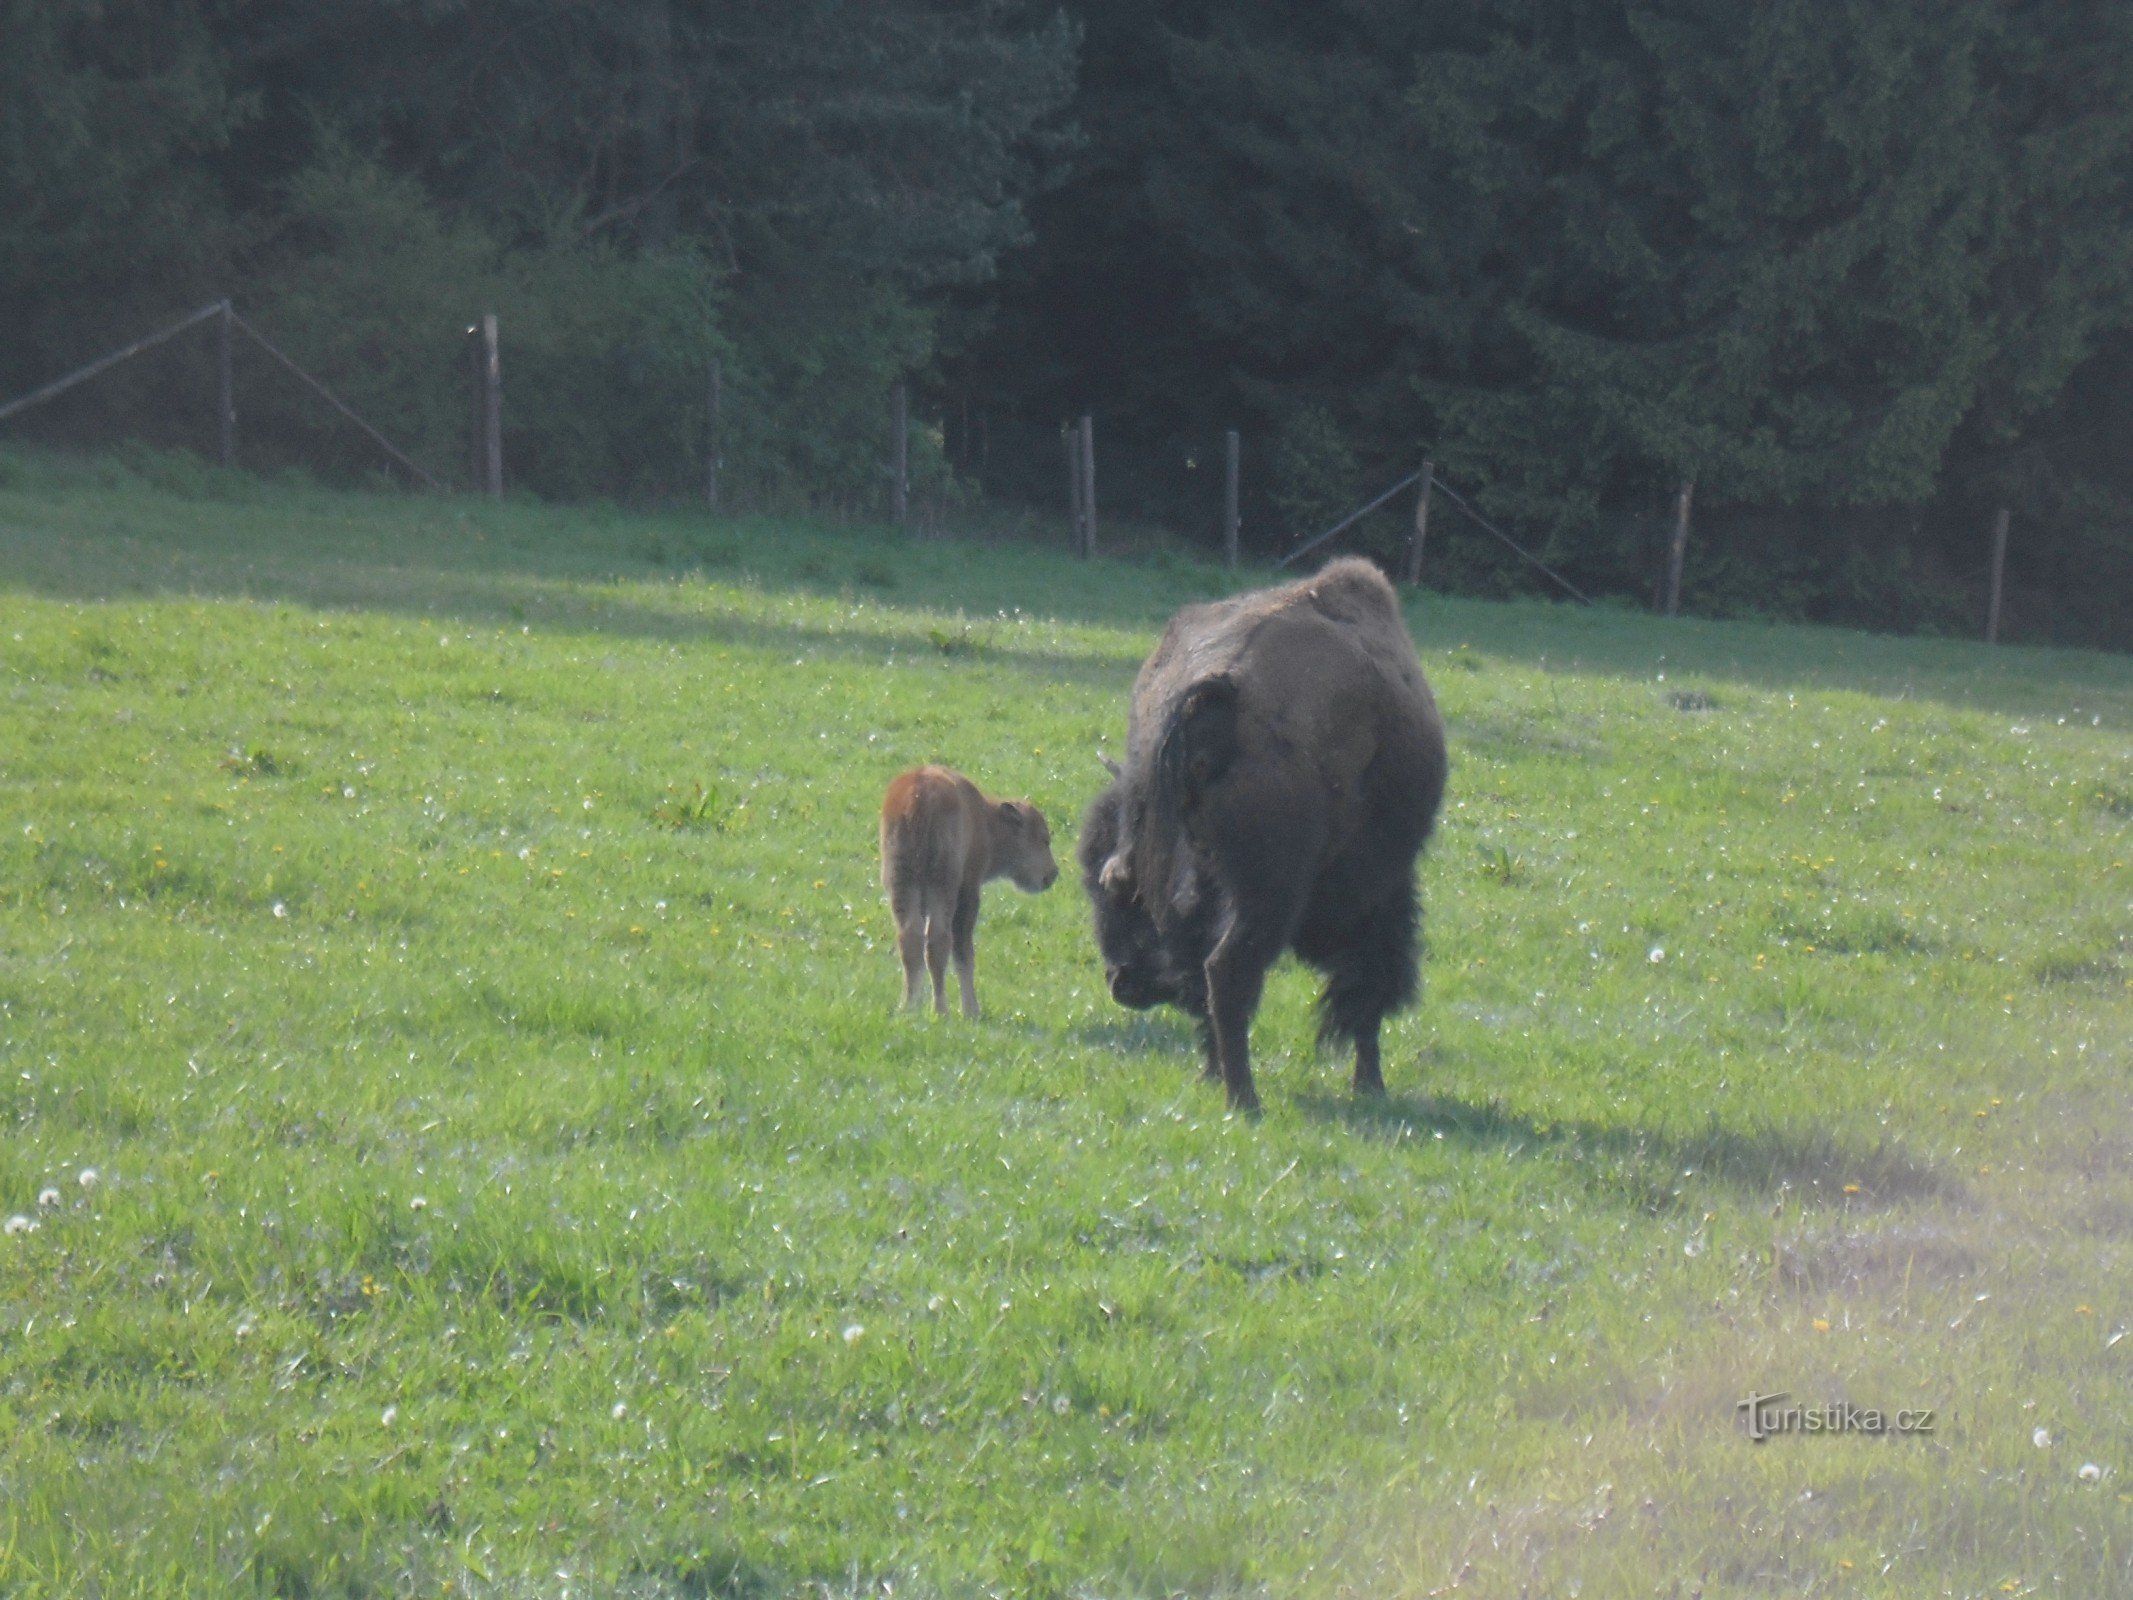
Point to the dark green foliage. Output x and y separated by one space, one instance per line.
1862 272
1831 262
666 180
1791 254
634 188
109 114
1317 482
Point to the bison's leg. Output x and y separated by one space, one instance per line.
1211 1059
1236 973
1368 1078
910 943
1373 976
966 950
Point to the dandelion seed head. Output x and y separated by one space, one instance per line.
1658 954
2042 1438
853 1333
389 1416
17 1224
47 1198
621 1410
89 1178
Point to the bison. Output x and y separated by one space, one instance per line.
1284 765
941 841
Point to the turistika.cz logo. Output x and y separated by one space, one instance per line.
1767 1414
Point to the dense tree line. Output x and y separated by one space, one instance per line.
636 186
1861 271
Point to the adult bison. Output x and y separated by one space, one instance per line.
1284 764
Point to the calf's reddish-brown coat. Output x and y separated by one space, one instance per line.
941 841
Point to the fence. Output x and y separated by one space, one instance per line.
1192 500
227 324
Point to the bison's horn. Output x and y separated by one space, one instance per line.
1115 878
1110 766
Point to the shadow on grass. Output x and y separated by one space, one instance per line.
1142 1033
725 1575
428 567
1611 641
89 529
1811 1168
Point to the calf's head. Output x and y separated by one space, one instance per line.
1135 964
1022 846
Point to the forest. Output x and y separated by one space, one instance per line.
1860 273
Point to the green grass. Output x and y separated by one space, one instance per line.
450 933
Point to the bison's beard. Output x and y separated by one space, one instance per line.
1146 966
1137 990
1143 966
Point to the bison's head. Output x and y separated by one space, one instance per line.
1136 965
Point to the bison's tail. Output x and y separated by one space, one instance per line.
1198 744
1376 974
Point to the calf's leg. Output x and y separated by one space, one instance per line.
937 960
966 952
910 944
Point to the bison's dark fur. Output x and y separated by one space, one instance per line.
1284 766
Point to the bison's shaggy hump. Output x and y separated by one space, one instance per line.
1285 762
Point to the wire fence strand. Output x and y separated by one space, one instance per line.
60 386
337 403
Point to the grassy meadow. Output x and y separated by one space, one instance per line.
460 1141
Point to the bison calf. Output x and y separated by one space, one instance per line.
941 840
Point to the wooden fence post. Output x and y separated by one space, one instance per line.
1088 486
1999 572
1070 438
900 453
714 437
1421 533
225 391
1232 450
492 407
1678 548
474 409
